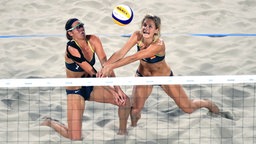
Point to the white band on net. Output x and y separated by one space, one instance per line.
53 82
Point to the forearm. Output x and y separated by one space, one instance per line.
108 69
115 57
122 62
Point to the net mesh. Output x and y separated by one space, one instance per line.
24 103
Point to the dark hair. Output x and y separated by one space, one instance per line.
69 26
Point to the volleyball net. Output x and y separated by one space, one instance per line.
24 103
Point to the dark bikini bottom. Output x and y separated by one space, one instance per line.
84 91
140 75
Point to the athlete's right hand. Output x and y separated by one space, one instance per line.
105 71
120 101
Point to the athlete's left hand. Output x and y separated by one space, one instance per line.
122 96
105 71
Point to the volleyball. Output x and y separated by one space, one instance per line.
122 15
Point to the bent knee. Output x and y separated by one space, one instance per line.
135 111
75 136
76 139
126 104
188 110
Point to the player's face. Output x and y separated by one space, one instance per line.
148 28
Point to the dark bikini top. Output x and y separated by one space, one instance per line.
74 66
153 59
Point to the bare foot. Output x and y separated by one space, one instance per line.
134 120
213 107
48 121
122 132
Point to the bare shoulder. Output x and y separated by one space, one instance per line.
92 38
160 42
159 45
137 35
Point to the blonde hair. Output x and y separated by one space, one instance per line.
157 22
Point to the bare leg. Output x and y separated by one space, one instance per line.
207 104
56 125
189 106
140 95
75 111
105 95
135 116
123 113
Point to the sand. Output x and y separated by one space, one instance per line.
32 39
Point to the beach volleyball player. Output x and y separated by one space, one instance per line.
79 60
151 56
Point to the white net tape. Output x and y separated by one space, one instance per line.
52 82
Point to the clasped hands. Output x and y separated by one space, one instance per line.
105 71
120 96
